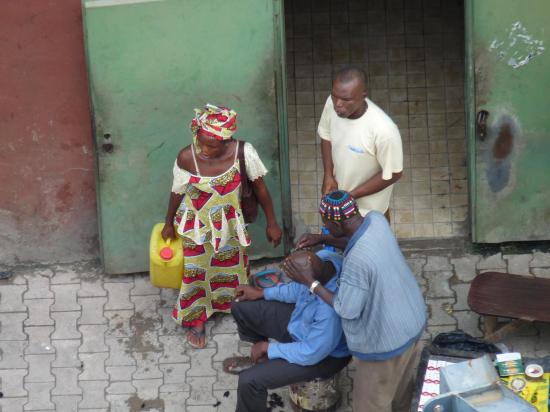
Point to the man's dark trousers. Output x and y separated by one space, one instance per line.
257 321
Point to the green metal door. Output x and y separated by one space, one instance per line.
507 89
150 63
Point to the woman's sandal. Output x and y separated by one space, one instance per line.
237 364
198 335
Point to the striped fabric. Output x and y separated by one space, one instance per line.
379 300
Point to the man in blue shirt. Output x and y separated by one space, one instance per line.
310 342
381 306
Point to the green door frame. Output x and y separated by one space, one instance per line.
470 108
282 112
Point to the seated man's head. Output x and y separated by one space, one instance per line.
337 210
323 270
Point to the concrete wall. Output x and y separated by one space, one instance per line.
47 184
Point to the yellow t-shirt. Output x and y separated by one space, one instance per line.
361 148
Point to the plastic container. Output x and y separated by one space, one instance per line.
266 278
165 260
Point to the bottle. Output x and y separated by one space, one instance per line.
325 231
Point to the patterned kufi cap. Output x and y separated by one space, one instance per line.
215 121
337 206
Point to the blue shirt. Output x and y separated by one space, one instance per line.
314 326
380 303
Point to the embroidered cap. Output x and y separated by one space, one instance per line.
338 205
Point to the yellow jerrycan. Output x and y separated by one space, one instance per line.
165 260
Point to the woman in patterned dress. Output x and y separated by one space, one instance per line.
205 210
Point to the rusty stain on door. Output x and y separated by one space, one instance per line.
499 166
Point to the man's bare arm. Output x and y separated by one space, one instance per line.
329 182
374 185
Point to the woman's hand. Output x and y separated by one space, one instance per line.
309 240
274 234
245 292
168 231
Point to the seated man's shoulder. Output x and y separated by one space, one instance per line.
332 257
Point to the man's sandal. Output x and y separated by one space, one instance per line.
237 364
198 335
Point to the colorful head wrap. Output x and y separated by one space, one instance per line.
338 205
215 121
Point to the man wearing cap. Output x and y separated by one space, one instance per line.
381 306
360 145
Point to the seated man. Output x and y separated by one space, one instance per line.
310 342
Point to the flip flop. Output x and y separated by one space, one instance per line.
237 364
198 335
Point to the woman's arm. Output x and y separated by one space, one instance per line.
176 196
273 231
173 203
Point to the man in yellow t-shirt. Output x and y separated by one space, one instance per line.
361 146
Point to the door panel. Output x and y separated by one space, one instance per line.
150 63
509 144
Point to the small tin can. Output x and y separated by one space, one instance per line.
517 384
533 372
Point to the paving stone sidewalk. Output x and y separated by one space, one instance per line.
73 339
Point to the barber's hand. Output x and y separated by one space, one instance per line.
329 184
245 292
258 352
297 272
168 231
274 234
309 240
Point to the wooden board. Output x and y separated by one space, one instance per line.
511 296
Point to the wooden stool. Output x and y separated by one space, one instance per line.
524 299
318 395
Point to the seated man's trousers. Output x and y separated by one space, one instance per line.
257 321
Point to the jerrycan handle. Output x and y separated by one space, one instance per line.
166 252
